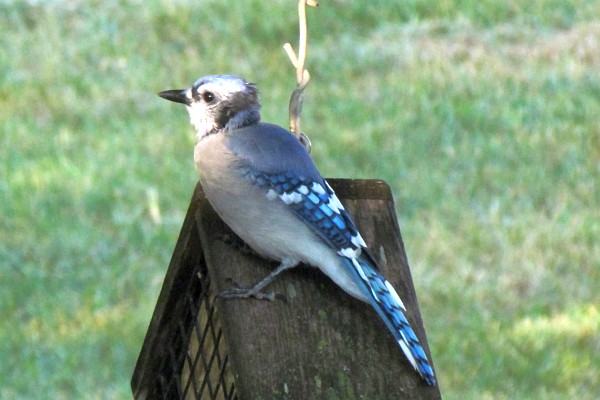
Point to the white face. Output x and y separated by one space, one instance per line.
200 112
199 115
220 102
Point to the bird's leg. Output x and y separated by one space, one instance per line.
255 291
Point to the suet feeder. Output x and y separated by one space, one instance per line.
316 342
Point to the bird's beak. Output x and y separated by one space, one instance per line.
177 95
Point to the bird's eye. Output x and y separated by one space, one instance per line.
208 97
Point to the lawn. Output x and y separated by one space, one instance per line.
483 116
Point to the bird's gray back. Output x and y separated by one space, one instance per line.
270 148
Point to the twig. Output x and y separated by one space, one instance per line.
302 75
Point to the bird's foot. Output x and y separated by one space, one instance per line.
255 291
241 292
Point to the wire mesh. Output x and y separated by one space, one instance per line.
194 362
206 373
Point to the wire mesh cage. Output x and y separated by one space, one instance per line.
184 355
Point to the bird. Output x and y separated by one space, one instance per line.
264 185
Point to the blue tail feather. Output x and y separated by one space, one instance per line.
390 308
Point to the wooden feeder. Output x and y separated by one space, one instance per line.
319 343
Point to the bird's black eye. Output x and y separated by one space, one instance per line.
208 97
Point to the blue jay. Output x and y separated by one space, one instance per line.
263 184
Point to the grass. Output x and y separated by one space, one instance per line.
482 116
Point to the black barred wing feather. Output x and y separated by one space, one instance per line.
316 203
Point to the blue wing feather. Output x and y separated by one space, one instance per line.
332 224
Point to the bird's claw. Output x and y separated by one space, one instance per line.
241 292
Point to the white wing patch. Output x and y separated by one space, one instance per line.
317 188
350 253
358 241
408 353
360 271
291 198
302 189
394 294
271 194
334 204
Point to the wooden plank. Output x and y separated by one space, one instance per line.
321 343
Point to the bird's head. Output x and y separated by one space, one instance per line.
217 103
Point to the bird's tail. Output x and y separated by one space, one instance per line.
389 306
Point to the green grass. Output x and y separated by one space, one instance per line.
483 116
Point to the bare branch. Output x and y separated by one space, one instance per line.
302 42
291 54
